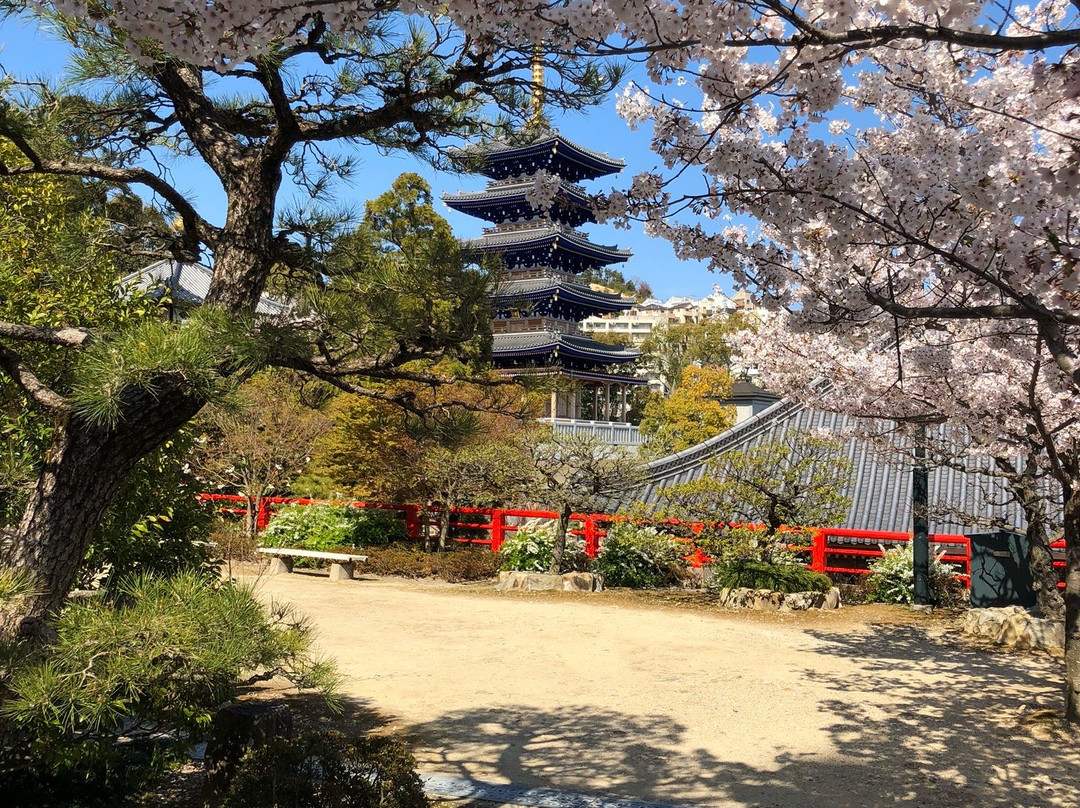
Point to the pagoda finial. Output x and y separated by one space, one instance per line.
537 84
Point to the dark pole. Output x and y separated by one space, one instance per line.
920 507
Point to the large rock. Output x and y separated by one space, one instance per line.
544 581
767 600
1015 628
234 730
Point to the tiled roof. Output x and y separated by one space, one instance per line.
879 486
593 163
545 236
539 342
188 282
530 288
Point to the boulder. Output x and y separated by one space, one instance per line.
831 599
234 730
544 581
765 600
1015 628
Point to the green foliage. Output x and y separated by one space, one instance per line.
163 654
531 548
640 557
194 356
794 481
325 527
672 348
327 770
155 524
892 577
692 413
762 575
740 544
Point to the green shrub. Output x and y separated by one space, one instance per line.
375 527
639 557
759 575
159 654
530 550
892 577
741 544
327 770
326 527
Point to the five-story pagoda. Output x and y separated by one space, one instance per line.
539 302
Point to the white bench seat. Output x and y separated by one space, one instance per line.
341 569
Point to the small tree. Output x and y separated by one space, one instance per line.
694 411
260 441
481 475
574 472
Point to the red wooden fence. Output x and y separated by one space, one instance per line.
831 550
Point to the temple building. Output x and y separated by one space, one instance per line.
539 303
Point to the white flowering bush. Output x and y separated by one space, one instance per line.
892 577
531 548
640 556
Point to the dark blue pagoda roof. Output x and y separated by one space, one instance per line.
549 152
550 348
547 245
507 203
556 298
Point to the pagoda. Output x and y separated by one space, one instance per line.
539 303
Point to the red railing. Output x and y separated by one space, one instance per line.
831 549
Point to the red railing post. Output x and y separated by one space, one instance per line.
817 555
498 529
412 521
262 518
591 543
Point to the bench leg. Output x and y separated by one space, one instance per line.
279 565
341 572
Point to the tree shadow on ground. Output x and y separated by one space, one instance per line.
966 740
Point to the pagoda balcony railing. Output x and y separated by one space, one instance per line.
537 272
526 181
530 224
530 325
610 432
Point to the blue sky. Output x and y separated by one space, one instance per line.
26 51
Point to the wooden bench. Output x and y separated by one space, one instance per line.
281 560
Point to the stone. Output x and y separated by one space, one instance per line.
831 599
235 729
582 582
279 565
1014 628
531 582
342 571
765 600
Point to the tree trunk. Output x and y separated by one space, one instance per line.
445 516
559 550
81 473
1044 577
1072 605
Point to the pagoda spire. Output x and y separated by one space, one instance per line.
537 85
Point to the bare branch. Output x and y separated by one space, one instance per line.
67 337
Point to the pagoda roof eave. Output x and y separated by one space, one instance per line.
538 343
541 288
544 237
593 164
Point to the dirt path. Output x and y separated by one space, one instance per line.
601 694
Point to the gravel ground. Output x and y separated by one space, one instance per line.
672 700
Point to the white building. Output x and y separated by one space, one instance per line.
638 321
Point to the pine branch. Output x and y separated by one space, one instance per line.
13 366
66 337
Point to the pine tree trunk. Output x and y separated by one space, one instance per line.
81 473
559 550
